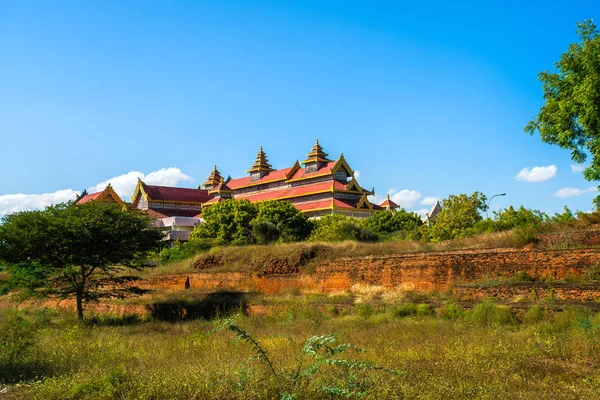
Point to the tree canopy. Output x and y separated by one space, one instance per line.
241 222
459 214
228 220
79 251
570 117
393 221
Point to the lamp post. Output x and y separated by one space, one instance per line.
284 220
487 212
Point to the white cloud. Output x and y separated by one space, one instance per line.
123 185
429 201
11 203
536 174
357 175
422 212
405 198
572 192
577 167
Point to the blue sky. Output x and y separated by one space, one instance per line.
424 99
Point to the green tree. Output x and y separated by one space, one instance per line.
509 218
291 223
570 117
393 221
265 232
338 228
78 251
228 221
565 217
460 213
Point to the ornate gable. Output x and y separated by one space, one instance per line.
139 191
364 203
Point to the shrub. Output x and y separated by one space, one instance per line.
265 232
535 314
404 310
338 228
423 309
364 310
490 314
451 312
525 234
181 251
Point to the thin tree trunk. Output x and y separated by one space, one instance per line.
79 300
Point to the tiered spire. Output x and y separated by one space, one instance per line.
222 190
316 155
261 163
213 179
388 204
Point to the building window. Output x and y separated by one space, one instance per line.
311 168
341 175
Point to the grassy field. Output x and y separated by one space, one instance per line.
403 350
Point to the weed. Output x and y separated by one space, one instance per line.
489 314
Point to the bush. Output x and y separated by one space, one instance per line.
404 310
423 309
364 310
451 312
182 250
490 314
526 234
534 315
339 228
265 232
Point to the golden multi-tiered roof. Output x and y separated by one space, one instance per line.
316 155
261 163
213 179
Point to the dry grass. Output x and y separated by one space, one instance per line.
306 256
439 358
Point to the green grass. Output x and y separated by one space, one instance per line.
443 353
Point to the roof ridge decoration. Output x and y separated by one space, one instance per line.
213 179
139 188
261 163
316 155
353 183
364 202
341 162
293 170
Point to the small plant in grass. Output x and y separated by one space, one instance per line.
451 312
593 272
317 354
364 310
535 314
487 313
404 310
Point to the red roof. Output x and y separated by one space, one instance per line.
165 193
314 205
325 170
389 203
155 214
89 197
289 192
276 175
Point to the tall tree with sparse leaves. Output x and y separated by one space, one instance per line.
81 251
570 117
